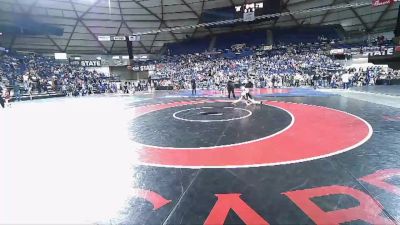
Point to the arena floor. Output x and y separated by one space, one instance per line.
304 157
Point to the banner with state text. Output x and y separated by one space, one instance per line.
381 2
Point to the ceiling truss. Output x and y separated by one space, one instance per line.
129 15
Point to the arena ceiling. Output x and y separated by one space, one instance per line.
84 20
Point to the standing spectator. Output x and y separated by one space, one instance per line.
345 80
17 92
315 80
30 87
7 97
151 86
126 88
273 81
297 79
64 89
333 80
1 97
25 80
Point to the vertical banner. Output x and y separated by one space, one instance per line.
130 50
248 16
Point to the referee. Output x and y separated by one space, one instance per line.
231 88
193 81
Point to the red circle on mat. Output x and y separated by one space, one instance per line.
317 132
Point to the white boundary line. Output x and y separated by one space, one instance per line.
372 93
370 132
209 121
341 91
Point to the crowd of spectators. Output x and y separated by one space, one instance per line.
35 74
282 66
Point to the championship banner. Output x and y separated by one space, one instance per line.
144 68
238 47
337 52
267 47
381 2
2 49
86 63
378 51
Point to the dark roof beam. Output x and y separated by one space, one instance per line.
12 41
48 36
284 6
378 21
195 29
198 15
119 29
76 24
155 15
140 42
359 17
31 7
54 43
95 37
327 13
159 27
88 10
70 36
127 27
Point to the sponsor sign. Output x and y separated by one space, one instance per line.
119 38
134 38
104 38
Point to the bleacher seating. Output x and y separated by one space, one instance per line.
282 35
250 38
305 34
189 46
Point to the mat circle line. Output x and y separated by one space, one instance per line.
208 121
